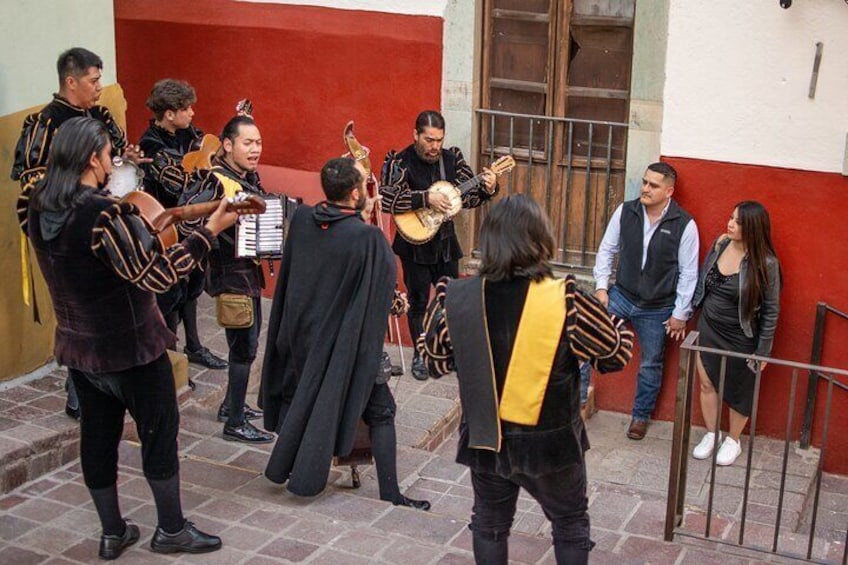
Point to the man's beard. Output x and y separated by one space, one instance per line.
422 154
360 204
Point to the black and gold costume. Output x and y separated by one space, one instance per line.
404 183
226 273
515 345
164 177
39 128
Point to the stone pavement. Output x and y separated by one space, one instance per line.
50 519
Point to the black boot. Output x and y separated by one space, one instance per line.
570 555
490 551
384 446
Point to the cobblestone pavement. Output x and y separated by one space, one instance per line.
50 519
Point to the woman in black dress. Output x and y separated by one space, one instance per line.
739 295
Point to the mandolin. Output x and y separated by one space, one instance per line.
163 220
419 226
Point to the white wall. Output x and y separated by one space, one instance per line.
413 7
737 78
32 35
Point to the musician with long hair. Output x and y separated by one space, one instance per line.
406 177
166 141
79 72
102 267
235 171
514 335
739 295
325 337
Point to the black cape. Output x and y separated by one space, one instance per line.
325 336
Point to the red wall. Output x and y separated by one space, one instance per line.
307 70
810 231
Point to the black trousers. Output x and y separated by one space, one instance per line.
147 391
243 342
418 279
561 494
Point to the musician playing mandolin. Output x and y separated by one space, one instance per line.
166 141
406 177
102 267
233 172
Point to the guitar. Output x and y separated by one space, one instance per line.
201 158
419 226
164 220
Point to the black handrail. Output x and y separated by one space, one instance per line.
822 309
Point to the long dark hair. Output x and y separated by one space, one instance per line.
753 218
74 144
516 240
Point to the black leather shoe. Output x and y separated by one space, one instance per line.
72 412
247 433
249 413
412 503
206 358
187 540
419 371
111 547
397 370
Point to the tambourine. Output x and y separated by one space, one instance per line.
125 178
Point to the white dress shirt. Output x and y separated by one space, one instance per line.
687 258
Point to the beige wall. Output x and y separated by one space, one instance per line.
32 34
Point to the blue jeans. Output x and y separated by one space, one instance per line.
650 331
585 381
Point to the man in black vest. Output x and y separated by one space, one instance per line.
657 246
406 177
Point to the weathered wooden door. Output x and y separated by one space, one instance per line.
555 94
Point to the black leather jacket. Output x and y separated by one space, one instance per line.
766 313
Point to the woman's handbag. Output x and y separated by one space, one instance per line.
234 311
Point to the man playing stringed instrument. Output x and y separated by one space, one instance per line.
406 177
79 73
234 172
166 141
102 266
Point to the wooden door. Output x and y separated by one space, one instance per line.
555 94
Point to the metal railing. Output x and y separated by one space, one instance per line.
573 168
680 448
822 310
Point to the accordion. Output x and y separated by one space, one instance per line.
262 236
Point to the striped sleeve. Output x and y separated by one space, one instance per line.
394 187
31 151
122 239
205 188
22 207
477 195
116 134
596 336
434 345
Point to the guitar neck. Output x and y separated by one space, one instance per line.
193 211
469 184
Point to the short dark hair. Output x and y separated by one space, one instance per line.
429 119
339 177
666 170
75 62
170 94
231 130
516 240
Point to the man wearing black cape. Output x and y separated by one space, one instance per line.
325 339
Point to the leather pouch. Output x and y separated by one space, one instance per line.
234 311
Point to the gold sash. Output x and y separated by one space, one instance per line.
533 353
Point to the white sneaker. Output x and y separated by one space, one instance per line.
705 448
728 452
